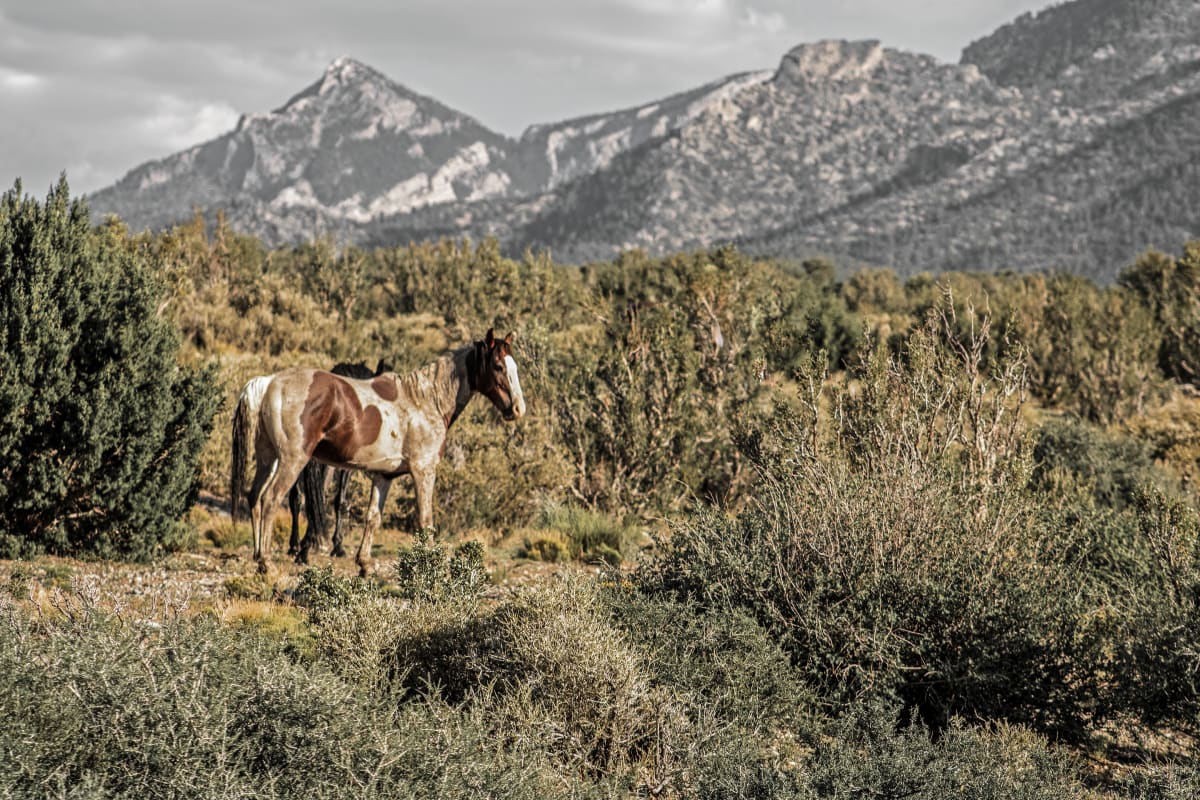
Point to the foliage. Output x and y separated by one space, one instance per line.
888 547
872 752
1168 287
97 708
99 423
319 590
427 571
1101 360
569 532
1112 469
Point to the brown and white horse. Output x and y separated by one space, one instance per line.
386 426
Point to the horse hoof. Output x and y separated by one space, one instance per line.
263 568
301 558
338 552
363 571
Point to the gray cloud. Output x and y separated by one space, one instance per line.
96 88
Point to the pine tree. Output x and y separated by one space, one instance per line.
100 425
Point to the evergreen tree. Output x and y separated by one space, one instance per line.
100 425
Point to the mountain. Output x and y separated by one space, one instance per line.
1067 139
351 146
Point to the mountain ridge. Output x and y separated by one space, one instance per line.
1004 160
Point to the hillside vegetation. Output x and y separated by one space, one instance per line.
922 538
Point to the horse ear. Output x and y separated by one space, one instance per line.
489 339
508 339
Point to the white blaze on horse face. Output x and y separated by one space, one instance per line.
514 384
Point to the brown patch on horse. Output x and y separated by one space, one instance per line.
385 388
335 424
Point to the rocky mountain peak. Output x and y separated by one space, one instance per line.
346 70
830 60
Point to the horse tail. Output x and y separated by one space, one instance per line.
244 424
312 485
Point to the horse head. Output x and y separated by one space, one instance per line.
495 375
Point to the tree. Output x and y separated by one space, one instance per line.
100 425
1170 288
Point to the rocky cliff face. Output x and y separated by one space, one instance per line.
1068 139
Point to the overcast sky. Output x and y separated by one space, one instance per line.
97 87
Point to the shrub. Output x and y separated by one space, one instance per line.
870 751
319 590
98 708
577 533
548 545
100 426
1112 469
250 587
888 545
1163 783
548 666
733 667
429 572
1167 287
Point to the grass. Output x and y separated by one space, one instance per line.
565 532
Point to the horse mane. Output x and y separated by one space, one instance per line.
434 381
354 370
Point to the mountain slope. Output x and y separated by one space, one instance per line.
1065 139
349 147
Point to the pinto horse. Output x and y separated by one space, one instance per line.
310 486
387 426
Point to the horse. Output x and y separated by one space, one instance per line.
311 484
386 426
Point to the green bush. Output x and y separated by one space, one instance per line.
1112 469
320 591
891 548
100 426
868 753
95 707
1167 287
429 572
578 533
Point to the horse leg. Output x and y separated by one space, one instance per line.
379 492
423 480
263 474
312 486
294 507
342 476
278 481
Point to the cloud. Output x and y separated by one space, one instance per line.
18 81
177 123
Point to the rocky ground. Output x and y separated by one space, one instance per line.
220 575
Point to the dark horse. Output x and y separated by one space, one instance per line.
310 486
387 426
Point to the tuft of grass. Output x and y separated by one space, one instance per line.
569 532
546 545
58 576
250 587
226 535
